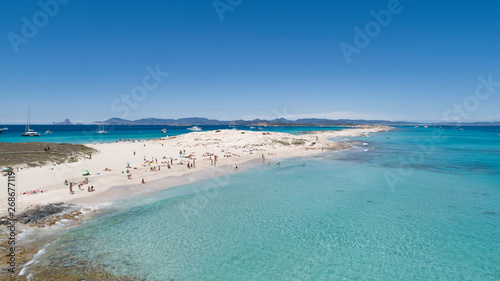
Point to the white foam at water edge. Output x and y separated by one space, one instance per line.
62 222
91 208
33 260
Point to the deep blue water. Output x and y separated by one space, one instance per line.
413 204
88 133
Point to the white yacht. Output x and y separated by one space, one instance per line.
100 129
164 131
194 128
29 132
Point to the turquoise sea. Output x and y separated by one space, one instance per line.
410 204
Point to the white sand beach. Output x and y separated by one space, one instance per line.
232 147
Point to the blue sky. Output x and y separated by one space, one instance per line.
266 59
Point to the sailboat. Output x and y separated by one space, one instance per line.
100 129
29 132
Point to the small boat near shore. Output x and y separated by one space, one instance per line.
194 128
164 131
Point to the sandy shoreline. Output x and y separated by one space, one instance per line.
197 149
245 149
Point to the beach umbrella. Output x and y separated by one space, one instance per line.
5 169
85 172
128 163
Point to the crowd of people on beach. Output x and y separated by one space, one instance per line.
153 165
187 160
79 184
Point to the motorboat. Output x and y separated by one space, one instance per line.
29 132
194 128
163 131
48 132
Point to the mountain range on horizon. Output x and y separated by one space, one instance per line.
191 121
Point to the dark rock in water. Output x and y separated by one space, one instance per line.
40 213
4 220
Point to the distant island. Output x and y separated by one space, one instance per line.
192 121
65 122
